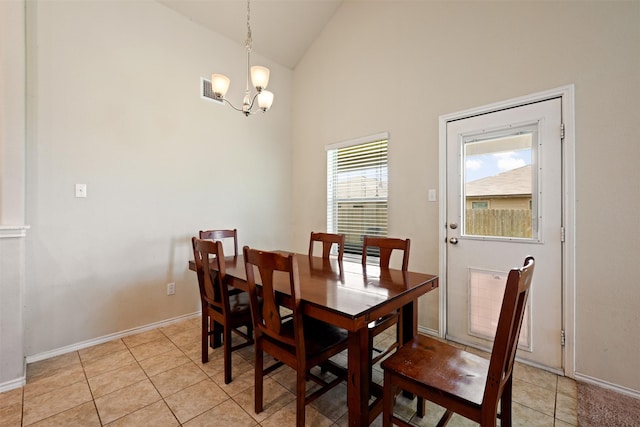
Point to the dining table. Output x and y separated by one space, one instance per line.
350 295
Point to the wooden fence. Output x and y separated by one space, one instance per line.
498 222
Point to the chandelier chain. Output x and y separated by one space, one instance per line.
249 42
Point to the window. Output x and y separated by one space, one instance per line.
357 179
480 205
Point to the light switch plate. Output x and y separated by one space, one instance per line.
432 195
81 190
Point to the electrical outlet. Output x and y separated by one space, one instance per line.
171 288
81 190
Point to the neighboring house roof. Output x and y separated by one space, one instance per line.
510 183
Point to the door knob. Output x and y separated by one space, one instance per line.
453 240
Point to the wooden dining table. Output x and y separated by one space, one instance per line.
350 295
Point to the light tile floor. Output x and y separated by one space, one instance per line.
156 378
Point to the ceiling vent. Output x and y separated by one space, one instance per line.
206 92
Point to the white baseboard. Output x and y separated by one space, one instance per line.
428 331
604 384
10 385
103 339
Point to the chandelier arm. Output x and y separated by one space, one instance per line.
245 112
253 101
231 105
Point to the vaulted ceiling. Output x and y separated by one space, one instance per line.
282 30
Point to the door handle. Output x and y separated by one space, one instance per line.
453 240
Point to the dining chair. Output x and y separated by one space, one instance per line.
462 382
328 240
384 247
222 313
300 342
221 234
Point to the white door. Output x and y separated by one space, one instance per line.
504 202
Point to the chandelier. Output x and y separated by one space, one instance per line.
259 79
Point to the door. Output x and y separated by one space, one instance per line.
504 202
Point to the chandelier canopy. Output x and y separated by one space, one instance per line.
259 79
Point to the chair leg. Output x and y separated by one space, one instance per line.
505 403
388 399
205 338
301 391
217 330
420 407
258 378
227 354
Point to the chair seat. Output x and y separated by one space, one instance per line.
319 336
239 302
442 367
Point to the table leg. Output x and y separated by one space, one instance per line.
409 326
358 378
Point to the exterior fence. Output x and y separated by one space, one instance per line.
498 222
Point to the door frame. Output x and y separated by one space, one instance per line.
567 95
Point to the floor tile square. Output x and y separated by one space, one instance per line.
142 338
101 350
107 363
195 400
176 328
53 380
155 365
84 415
46 366
534 397
228 413
176 379
287 417
157 415
115 380
11 397
567 409
152 348
59 400
125 401
535 376
275 396
11 415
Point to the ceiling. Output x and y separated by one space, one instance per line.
282 30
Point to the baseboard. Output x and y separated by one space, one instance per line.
428 331
103 339
604 384
10 385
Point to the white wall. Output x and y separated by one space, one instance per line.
12 193
113 102
397 66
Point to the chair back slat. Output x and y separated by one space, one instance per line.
514 303
386 245
267 317
213 290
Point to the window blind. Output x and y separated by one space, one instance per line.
357 179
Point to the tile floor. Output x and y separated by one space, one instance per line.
156 378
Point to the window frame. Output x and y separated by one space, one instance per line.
353 247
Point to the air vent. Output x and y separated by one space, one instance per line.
206 92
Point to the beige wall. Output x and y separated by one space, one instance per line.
113 103
397 66
12 193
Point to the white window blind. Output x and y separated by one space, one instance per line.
357 180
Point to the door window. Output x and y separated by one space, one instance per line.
500 183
